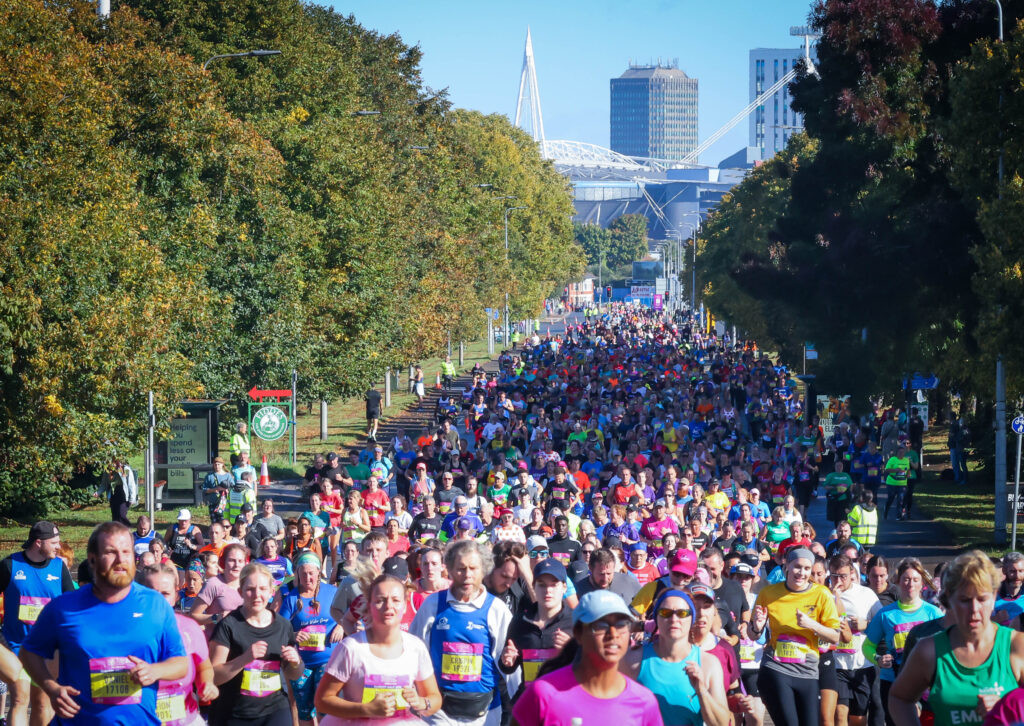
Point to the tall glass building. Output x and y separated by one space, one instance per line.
654 112
773 121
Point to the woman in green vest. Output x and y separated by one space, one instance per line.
969 667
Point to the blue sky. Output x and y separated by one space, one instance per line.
475 50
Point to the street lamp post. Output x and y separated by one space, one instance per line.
260 53
1000 468
507 329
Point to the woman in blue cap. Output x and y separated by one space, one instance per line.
687 683
584 679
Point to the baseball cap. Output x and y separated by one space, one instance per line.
699 588
502 511
659 502
742 568
521 466
464 523
639 547
551 567
245 508
396 567
332 455
184 514
536 542
597 604
41 530
683 562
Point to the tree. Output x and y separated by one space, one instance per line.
624 241
85 294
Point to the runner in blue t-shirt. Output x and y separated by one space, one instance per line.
116 640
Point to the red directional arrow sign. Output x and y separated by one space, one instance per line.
258 394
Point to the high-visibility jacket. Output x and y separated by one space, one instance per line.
238 495
864 523
448 369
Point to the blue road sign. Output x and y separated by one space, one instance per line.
919 382
1018 425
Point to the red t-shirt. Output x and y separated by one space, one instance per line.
377 505
333 500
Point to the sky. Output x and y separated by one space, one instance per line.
475 51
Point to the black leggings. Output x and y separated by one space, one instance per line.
791 701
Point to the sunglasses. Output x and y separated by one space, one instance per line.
600 627
534 554
681 613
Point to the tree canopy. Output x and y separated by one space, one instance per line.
197 232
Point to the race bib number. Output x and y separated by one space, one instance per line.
170 708
378 683
261 678
791 649
852 646
463 662
558 492
30 607
111 683
312 638
747 650
899 635
445 507
533 658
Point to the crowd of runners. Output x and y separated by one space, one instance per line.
611 529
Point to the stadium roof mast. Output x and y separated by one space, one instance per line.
529 95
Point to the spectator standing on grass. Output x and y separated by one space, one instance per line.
239 443
957 442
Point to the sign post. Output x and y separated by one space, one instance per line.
1018 428
270 420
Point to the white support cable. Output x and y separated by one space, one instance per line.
706 144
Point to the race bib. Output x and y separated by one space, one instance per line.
312 637
899 635
261 678
445 507
562 557
374 683
533 658
852 646
872 471
463 662
558 492
747 650
791 649
170 708
30 607
110 681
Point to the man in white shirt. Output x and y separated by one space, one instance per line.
856 673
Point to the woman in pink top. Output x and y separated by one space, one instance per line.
584 679
220 595
176 701
380 675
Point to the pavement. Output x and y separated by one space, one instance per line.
918 536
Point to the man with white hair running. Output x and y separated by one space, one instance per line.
464 628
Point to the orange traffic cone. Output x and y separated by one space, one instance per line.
437 382
264 473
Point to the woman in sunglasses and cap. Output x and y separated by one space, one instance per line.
584 679
687 682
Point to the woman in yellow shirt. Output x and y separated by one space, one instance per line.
799 614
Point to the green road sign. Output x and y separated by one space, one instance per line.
269 423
